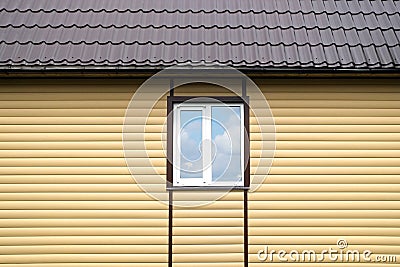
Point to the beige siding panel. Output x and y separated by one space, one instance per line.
325 214
78 214
110 154
280 264
79 258
64 104
268 196
68 199
84 249
88 264
54 135
393 250
120 162
214 234
335 173
73 231
273 179
82 240
83 222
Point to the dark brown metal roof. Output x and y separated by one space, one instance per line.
325 34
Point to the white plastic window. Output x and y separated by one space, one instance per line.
208 144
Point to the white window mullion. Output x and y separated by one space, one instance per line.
177 150
207 145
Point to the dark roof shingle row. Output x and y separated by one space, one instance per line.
274 33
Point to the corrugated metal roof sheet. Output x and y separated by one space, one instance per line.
252 33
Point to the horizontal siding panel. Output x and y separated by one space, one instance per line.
323 240
76 137
234 213
256 263
335 112
155 222
80 258
272 179
76 231
318 231
355 104
88 112
207 240
84 205
361 154
259 196
131 188
329 145
118 112
157 137
86 214
333 179
84 249
326 196
207 249
156 145
329 96
101 128
134 196
205 222
69 153
94 205
122 104
330 128
215 231
83 240
209 257
53 154
78 170
65 120
329 120
24 96
325 214
324 222
68 120
160 162
67 179
328 188
319 205
68 104
334 170
89 264
393 250
14 188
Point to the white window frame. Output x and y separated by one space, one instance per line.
206 179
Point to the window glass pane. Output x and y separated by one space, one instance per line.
226 137
191 160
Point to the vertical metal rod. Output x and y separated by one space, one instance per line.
245 206
246 230
170 199
170 221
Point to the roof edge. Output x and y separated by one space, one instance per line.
108 71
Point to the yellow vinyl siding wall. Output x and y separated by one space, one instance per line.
67 198
336 172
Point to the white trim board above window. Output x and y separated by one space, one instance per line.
208 144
